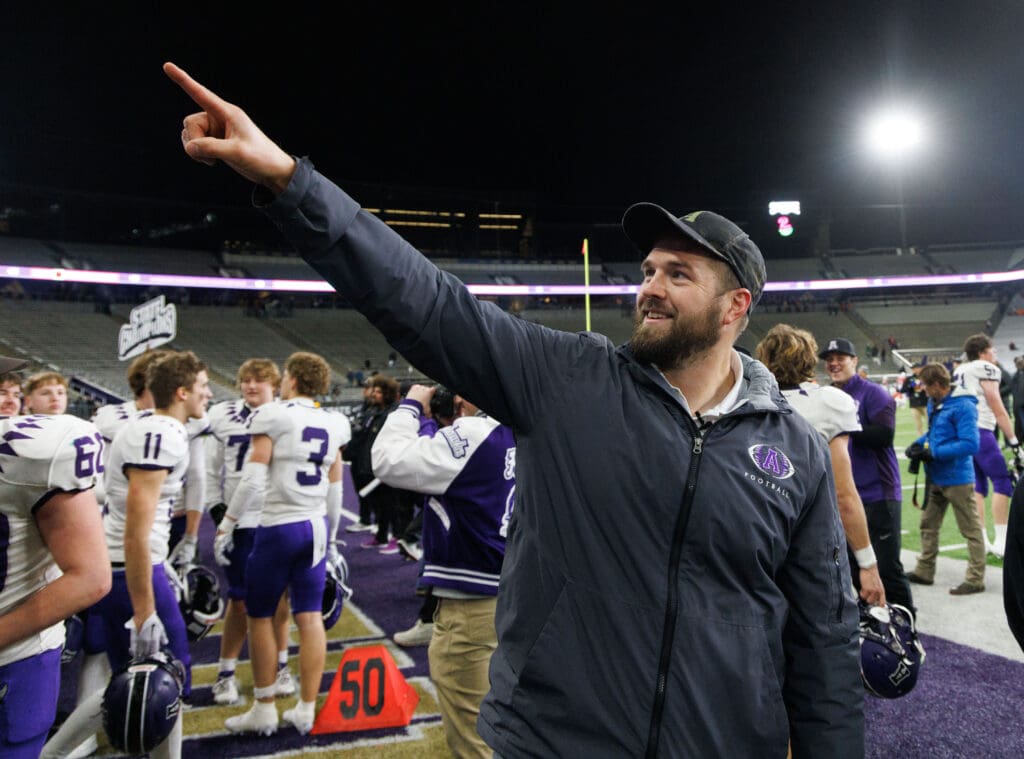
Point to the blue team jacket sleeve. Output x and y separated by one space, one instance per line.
502 363
966 442
823 692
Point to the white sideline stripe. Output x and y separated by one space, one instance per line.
412 732
954 547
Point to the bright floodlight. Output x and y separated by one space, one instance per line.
895 133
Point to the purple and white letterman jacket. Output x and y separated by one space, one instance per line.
467 471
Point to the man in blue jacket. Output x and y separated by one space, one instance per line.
947 450
675 576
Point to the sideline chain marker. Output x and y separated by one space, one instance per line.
368 692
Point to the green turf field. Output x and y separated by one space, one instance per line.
906 433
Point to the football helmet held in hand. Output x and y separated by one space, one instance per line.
890 652
142 703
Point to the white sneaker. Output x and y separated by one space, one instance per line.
410 549
997 549
300 718
285 683
359 527
225 691
417 635
88 747
256 720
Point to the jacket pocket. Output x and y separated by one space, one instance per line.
724 694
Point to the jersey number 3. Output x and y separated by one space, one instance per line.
318 436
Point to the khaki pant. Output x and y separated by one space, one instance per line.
961 498
920 420
460 654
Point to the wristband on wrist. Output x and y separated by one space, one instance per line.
865 557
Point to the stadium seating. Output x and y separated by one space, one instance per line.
67 336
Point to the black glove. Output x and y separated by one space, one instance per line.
217 512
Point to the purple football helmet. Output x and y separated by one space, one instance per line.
890 652
142 703
336 591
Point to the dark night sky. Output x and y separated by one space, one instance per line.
722 109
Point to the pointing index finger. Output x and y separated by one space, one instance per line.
203 97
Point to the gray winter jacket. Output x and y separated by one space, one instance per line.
665 592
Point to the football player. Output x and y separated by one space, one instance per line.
294 470
226 449
980 375
10 390
46 393
50 528
94 672
148 460
184 535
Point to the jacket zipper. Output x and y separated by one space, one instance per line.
672 602
839 585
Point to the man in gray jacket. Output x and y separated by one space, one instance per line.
674 579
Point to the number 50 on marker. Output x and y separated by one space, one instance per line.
368 692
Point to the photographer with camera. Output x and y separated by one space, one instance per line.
468 471
947 451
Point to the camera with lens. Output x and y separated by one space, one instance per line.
442 405
917 453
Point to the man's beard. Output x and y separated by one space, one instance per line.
685 339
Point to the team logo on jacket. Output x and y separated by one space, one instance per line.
771 461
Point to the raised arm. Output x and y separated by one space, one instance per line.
507 366
223 132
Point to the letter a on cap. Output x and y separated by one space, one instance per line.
368 693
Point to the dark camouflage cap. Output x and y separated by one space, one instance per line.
647 223
11 364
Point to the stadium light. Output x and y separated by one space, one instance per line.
896 134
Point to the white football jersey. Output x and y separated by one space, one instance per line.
227 450
306 441
149 441
39 455
829 410
111 418
108 420
969 376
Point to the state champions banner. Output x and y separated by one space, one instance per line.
150 324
